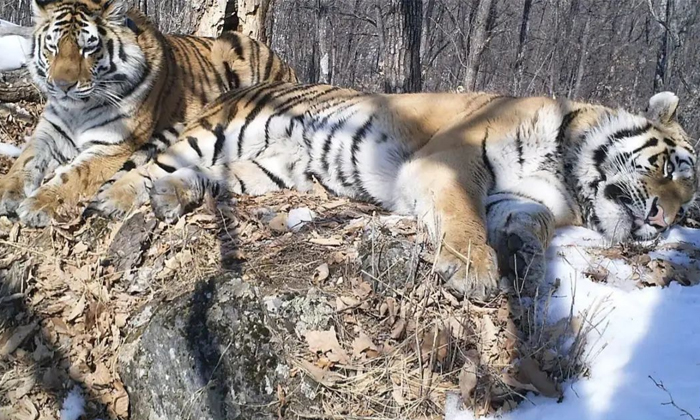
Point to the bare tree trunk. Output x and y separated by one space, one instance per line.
662 55
325 58
477 43
401 41
251 18
520 55
574 93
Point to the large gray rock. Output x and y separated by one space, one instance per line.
208 355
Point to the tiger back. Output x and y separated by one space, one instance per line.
112 81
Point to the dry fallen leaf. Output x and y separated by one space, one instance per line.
324 377
363 346
435 340
468 375
321 274
16 339
77 309
597 274
398 329
530 372
327 343
279 223
326 241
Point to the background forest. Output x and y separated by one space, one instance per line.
614 52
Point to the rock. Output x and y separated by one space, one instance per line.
206 355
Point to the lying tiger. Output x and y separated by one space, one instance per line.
490 176
112 81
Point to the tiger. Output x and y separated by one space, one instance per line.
491 177
114 86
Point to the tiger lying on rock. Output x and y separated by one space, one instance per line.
490 176
112 81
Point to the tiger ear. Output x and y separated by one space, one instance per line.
114 10
662 107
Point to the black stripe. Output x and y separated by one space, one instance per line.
357 139
128 165
220 140
105 122
93 143
565 123
291 103
62 133
519 145
260 104
167 168
490 205
650 143
485 159
327 143
244 190
193 144
268 65
274 178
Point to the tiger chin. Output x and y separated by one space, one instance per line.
491 177
113 83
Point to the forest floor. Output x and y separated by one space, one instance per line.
607 336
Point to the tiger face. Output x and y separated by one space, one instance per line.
85 50
646 171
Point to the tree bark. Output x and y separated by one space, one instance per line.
325 64
477 42
662 55
518 69
402 38
582 59
251 18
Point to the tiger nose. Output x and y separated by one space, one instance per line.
64 85
657 216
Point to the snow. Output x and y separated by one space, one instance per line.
9 150
73 405
645 333
15 50
297 218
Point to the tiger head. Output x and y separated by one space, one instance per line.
85 50
641 171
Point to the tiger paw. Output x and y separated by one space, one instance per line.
171 198
11 195
118 199
477 280
35 212
521 258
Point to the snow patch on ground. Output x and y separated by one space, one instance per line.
299 217
9 150
643 334
73 405
15 50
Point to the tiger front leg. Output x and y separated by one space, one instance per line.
12 185
71 183
520 230
449 204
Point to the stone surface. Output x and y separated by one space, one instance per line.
207 355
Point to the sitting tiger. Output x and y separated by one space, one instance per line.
112 81
490 176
